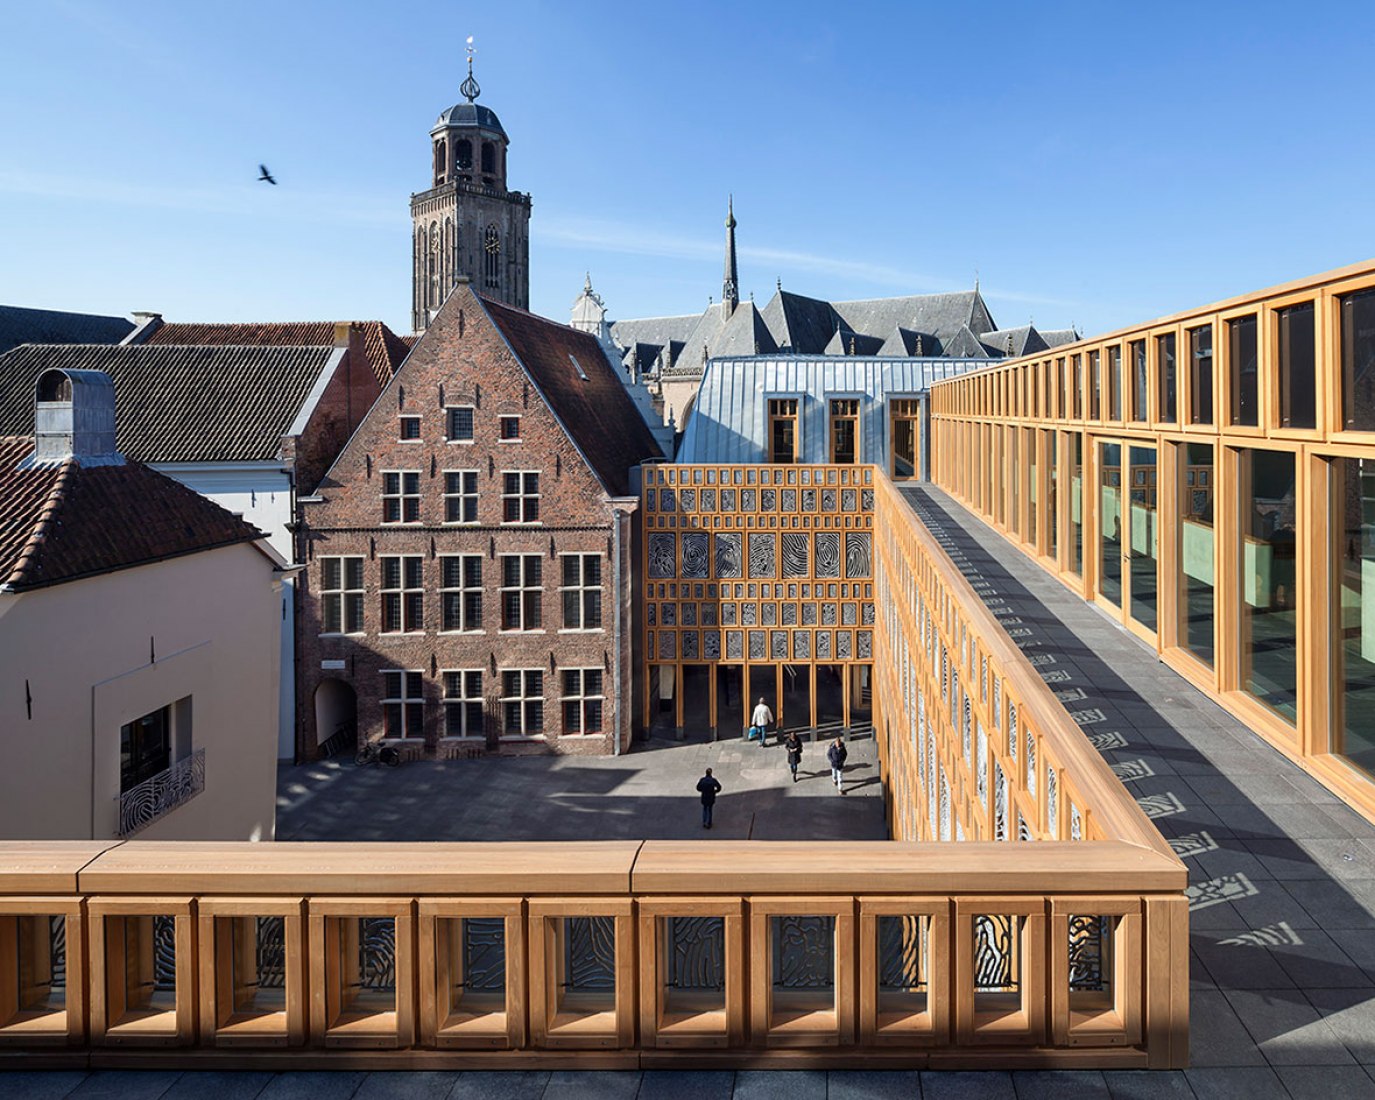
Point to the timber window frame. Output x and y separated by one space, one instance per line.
460 593
783 440
460 497
403 594
464 708
581 591
522 702
400 496
403 703
522 592
843 430
584 708
520 496
342 594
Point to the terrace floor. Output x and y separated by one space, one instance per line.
1283 875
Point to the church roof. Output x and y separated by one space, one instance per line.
1014 342
800 324
940 315
741 332
50 326
1059 337
179 404
469 115
965 345
592 404
846 342
64 521
659 331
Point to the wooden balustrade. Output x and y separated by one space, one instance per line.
623 954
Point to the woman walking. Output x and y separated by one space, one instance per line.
793 743
836 754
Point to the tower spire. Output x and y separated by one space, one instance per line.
470 87
730 293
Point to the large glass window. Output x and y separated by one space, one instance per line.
1115 383
1110 522
460 594
1358 361
1201 375
1053 496
1140 407
341 595
1077 386
522 591
1197 607
783 429
1241 366
844 430
904 412
1014 485
1076 504
145 748
1034 487
1166 409
1095 387
1353 610
1269 599
1298 367
403 595
1143 538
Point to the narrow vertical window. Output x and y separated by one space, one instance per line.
1140 409
582 591
341 595
783 429
403 595
1166 408
460 594
1115 383
522 702
582 700
1270 598
1201 375
1242 369
1077 384
522 591
1197 606
1095 387
1358 361
1297 366
844 430
1352 525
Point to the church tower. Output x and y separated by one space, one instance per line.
468 223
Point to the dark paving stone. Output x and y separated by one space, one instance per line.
593 1084
1350 1013
1237 966
406 1085
687 1084
125 1084
752 1084
1217 1037
1053 1084
1333 904
1287 1028
1328 1082
1320 962
221 1085
872 1084
967 1086
41 1084
1237 1083
315 1085
499 1085
1147 1084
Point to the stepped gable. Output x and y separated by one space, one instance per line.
385 349
180 404
50 326
590 402
63 521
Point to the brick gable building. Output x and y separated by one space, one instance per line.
469 553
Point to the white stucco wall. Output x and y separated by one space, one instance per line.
90 655
261 493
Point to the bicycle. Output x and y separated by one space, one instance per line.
373 752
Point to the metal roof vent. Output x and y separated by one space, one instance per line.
74 417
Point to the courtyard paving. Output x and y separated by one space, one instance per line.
1282 874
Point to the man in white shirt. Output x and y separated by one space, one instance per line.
762 719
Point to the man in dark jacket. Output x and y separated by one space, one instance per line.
836 754
708 788
793 743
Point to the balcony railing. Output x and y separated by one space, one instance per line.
140 806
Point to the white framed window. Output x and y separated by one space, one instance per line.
520 496
522 592
403 595
458 423
582 700
463 703
403 703
582 591
409 431
460 593
510 428
522 702
460 496
400 496
341 595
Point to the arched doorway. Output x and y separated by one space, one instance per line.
336 718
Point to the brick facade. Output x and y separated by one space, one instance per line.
465 361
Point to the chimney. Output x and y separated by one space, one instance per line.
341 334
74 417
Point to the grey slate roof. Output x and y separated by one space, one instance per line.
847 342
800 324
965 345
1024 340
1059 337
658 331
176 403
940 315
743 332
49 326
728 419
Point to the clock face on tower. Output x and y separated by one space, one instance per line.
493 241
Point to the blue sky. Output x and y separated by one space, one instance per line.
1099 164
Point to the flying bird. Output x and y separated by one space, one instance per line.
264 176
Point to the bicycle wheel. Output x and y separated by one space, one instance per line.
390 756
365 755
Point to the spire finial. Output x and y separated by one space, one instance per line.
587 282
730 294
778 283
470 87
976 280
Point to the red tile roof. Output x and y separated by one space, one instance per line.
583 390
64 521
385 349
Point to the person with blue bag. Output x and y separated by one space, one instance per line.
760 722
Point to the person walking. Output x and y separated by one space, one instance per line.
793 743
708 788
762 719
836 754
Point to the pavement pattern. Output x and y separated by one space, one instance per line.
1282 874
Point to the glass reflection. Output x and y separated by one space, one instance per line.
1110 522
1270 602
1143 536
1353 526
1196 556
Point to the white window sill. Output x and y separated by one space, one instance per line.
583 630
462 633
461 442
460 523
514 630
384 634
410 441
523 737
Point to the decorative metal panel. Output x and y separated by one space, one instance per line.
849 614
484 954
730 614
795 555
160 794
803 952
997 967
695 560
687 500
866 500
866 614
809 614
849 500
788 499
823 644
757 645
668 645
809 500
802 645
669 615
735 645
709 498
763 554
768 500
843 650
377 953
689 645
708 614
864 644
1023 829
828 553
589 953
696 952
663 547
828 614
828 500
748 498
689 614
945 806
1076 823
728 499
57 954
902 953
1052 803
858 554
728 556
1030 762
778 644
269 952
164 954
749 614
666 500
768 614
711 645
981 755
1089 945
999 802
788 614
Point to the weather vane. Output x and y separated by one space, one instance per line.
470 88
